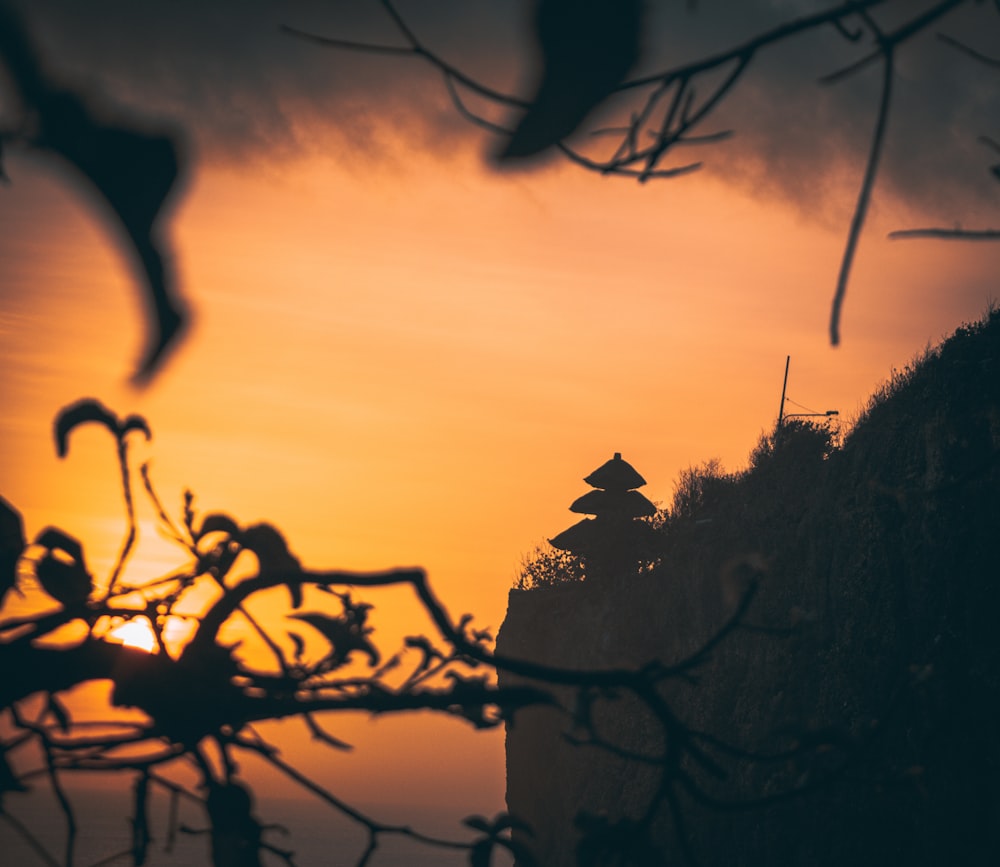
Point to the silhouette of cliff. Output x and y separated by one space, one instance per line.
875 637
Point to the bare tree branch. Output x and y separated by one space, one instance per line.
992 62
946 234
864 198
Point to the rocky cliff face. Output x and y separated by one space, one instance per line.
872 653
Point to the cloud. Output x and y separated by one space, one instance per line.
245 89
798 131
239 84
807 141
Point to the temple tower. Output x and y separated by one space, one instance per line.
613 541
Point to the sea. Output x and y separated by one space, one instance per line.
317 834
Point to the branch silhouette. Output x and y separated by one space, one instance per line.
671 106
201 697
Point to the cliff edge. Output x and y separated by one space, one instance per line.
854 718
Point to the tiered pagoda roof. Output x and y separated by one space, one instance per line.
615 504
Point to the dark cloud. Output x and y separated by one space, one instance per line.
242 87
800 139
801 131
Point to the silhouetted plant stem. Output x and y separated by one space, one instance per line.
168 524
129 513
946 234
64 802
374 827
631 159
202 702
864 197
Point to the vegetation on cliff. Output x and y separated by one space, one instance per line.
802 464
872 635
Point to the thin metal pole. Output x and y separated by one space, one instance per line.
784 385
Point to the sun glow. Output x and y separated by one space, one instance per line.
137 633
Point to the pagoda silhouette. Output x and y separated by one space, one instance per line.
614 541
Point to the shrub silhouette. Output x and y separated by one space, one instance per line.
546 566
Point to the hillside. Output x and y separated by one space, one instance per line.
873 637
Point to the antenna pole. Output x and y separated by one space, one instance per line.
784 385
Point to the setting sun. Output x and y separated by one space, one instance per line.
137 633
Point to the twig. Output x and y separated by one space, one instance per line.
64 803
467 113
947 234
769 37
129 511
374 827
639 174
417 51
971 52
323 736
864 197
174 531
896 37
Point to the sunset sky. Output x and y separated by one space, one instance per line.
402 356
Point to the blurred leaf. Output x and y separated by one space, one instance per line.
135 422
12 544
217 522
83 411
11 527
67 582
344 634
505 820
219 560
58 540
270 547
587 49
271 550
300 645
131 169
478 823
479 853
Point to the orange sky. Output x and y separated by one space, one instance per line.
418 361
